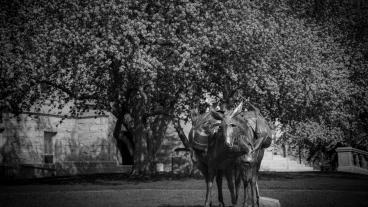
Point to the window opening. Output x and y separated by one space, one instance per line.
48 147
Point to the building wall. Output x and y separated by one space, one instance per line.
170 142
171 156
78 145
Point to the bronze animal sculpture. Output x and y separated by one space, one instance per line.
249 133
212 156
230 143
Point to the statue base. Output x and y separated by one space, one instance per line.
269 202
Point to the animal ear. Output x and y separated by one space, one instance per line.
237 110
216 115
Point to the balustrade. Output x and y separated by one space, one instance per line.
363 159
352 160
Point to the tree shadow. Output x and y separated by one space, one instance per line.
168 205
16 149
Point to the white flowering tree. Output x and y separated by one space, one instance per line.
149 62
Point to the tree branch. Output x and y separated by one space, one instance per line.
184 139
143 94
158 112
67 90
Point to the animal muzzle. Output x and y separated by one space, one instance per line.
229 145
249 158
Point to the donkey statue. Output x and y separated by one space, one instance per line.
212 155
246 133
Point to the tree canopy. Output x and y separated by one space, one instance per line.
150 62
346 23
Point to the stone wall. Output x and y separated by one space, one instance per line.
78 144
172 154
169 143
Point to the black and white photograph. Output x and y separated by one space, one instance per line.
183 103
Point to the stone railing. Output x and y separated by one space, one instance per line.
352 160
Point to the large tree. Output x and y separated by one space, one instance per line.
149 62
125 57
292 68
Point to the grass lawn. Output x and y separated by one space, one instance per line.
300 189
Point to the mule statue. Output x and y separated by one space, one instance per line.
230 143
212 156
247 133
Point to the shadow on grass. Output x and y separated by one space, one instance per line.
97 179
314 174
112 179
62 180
168 205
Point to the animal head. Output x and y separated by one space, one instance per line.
243 132
228 124
203 123
204 127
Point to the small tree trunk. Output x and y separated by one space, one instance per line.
158 126
140 135
141 163
123 141
147 139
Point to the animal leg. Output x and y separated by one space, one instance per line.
257 193
254 201
246 193
204 171
209 182
219 188
237 184
250 193
230 184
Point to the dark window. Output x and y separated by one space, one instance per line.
48 147
2 128
48 159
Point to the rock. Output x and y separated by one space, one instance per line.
269 202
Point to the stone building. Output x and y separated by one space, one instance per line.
51 144
172 155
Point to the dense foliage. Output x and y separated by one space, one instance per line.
150 62
346 24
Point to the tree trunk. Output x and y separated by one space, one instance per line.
158 127
140 135
181 133
141 160
228 96
148 138
123 141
